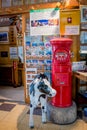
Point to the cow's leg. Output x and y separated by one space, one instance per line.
31 120
43 107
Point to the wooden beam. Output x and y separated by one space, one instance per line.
26 8
0 3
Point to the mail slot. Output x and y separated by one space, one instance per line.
61 72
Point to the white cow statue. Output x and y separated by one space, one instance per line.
39 90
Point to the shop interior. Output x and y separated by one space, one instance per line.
18 67
11 42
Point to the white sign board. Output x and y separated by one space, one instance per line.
13 53
44 22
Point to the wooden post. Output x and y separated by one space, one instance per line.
75 47
24 17
0 3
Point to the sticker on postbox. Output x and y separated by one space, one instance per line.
62 79
61 56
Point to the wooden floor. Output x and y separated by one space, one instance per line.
12 94
16 117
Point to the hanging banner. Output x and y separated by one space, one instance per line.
44 22
69 22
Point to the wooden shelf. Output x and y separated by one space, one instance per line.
83 44
83 29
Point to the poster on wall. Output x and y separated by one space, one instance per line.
4 37
20 54
44 22
70 22
13 53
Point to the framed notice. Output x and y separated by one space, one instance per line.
83 9
4 37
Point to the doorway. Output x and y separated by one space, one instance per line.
11 65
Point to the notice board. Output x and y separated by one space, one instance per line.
70 22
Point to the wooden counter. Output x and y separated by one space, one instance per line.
77 76
81 75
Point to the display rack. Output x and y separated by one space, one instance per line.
83 52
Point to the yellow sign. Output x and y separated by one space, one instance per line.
69 22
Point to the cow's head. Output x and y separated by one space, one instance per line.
45 87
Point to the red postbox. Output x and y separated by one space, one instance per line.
61 72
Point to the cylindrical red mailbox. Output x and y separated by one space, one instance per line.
61 72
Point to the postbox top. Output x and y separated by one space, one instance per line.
62 41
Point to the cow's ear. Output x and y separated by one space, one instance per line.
31 87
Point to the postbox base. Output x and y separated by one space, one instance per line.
61 116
